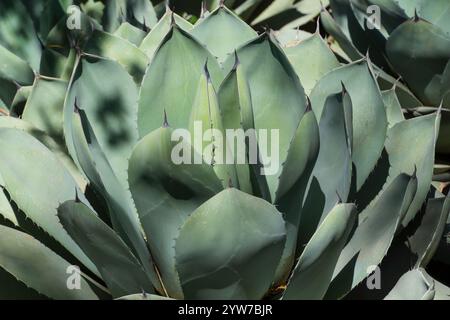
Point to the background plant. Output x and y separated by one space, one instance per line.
88 180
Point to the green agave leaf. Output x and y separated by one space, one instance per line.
279 109
386 82
14 68
120 207
425 241
291 37
383 219
393 108
332 173
165 194
369 114
311 59
426 47
119 268
139 13
404 159
233 33
12 289
112 110
229 247
25 165
205 111
335 30
6 210
16 21
290 13
56 148
293 185
437 12
109 46
20 99
232 96
314 270
413 285
48 16
14 72
130 33
44 108
47 274
155 38
171 81
442 292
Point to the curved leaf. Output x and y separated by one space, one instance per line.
48 273
426 47
279 110
119 268
229 247
233 33
311 59
413 285
171 81
155 38
314 270
369 114
165 194
383 219
25 166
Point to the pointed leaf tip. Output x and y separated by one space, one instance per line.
344 89
76 109
308 104
339 197
206 70
165 122
236 60
416 16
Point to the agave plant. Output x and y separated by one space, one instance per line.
89 182
406 39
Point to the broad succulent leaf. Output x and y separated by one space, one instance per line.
369 114
119 268
334 160
112 110
293 186
393 108
165 195
115 48
44 107
155 37
420 159
383 219
232 95
240 239
233 33
311 59
187 60
427 48
25 165
48 272
14 72
280 110
121 210
16 20
413 285
314 270
130 33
